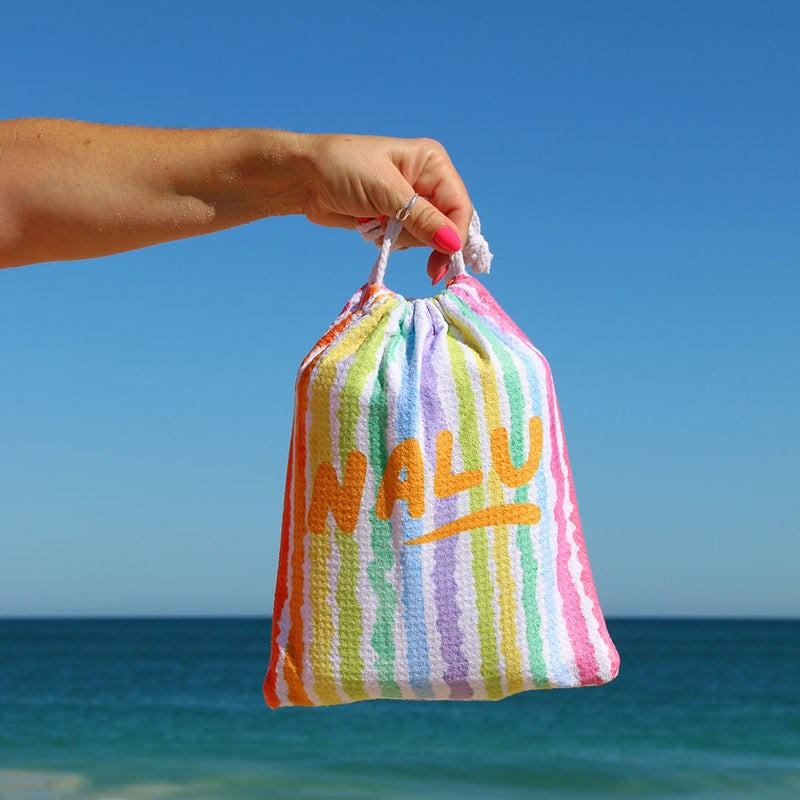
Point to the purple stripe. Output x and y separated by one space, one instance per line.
445 510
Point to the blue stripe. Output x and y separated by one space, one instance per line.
407 426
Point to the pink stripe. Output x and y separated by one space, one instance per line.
485 305
587 580
576 624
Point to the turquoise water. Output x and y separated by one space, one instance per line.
130 709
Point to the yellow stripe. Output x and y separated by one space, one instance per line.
319 547
321 644
505 580
469 425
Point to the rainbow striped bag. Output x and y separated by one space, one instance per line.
431 547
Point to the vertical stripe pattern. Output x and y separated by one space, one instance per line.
452 565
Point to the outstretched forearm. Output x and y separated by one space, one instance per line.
71 190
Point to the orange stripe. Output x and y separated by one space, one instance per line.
293 663
281 594
512 514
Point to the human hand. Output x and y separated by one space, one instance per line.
373 176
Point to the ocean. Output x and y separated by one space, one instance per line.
136 709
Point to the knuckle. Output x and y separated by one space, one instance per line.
433 146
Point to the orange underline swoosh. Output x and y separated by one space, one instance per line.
513 514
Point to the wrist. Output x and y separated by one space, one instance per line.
285 167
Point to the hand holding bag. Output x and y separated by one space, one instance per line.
431 546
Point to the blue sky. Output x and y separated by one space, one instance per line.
636 169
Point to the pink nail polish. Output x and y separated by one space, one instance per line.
447 239
439 276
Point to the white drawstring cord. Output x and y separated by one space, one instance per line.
474 254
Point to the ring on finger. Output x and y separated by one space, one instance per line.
404 212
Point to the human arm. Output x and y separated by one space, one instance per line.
71 190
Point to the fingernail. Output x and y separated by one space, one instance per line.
363 219
383 219
440 275
448 239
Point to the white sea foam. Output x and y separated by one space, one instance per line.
19 784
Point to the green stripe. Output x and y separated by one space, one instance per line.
468 431
371 330
524 543
383 554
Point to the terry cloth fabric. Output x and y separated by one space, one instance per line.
431 545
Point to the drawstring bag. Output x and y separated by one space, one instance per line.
431 547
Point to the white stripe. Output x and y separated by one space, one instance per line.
365 595
465 579
282 638
575 567
558 629
305 610
520 617
393 379
335 559
424 311
549 628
